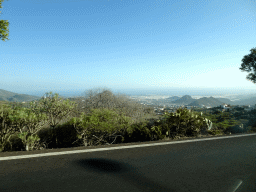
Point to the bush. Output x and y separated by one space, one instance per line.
137 132
62 136
17 144
65 135
215 132
183 123
14 144
156 133
191 132
99 127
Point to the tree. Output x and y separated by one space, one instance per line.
6 129
184 122
249 61
98 99
56 109
4 27
100 124
24 118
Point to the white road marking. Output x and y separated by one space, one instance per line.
115 148
239 182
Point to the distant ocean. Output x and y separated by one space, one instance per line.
167 91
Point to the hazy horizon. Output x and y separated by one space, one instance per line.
139 47
130 92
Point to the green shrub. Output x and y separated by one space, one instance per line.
215 132
156 133
100 126
13 144
17 144
137 132
65 135
182 123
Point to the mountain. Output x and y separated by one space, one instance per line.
251 101
243 100
185 100
215 102
16 97
209 102
246 96
226 101
174 98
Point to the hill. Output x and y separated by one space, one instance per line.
226 101
185 100
245 100
16 97
214 102
209 102
174 98
251 101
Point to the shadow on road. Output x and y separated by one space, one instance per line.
124 171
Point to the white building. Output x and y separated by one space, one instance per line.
224 106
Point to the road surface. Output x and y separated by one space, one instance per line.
225 163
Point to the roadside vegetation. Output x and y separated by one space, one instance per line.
102 118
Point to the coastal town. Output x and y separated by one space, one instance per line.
161 105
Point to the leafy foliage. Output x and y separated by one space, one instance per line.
29 140
28 121
137 132
16 119
249 64
120 103
56 109
99 125
4 27
215 132
234 121
65 134
107 119
184 122
5 126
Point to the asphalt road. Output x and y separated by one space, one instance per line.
216 164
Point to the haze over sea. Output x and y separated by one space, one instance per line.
139 47
196 93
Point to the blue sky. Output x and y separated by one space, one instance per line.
58 45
